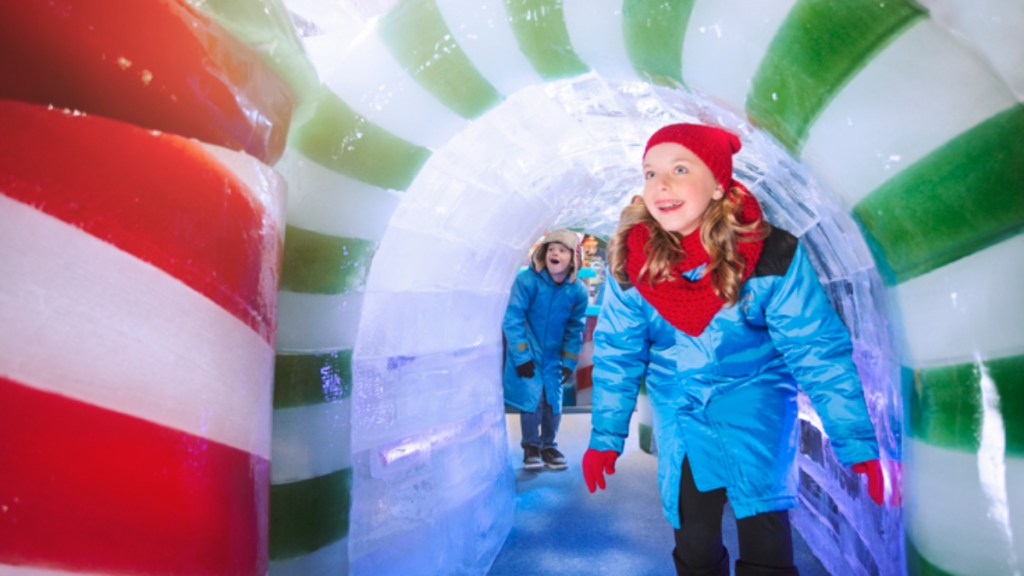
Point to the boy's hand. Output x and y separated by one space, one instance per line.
566 374
595 464
525 370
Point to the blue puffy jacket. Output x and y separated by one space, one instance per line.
544 323
727 399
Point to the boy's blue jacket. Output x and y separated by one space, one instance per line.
727 399
544 323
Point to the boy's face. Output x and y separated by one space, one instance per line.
678 187
558 258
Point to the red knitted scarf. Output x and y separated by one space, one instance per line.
689 306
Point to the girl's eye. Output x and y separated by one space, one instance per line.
680 169
648 175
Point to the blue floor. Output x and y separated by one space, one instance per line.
562 529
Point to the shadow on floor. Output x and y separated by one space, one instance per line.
562 529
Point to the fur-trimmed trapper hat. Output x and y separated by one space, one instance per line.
565 237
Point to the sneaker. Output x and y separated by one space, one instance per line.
531 458
553 459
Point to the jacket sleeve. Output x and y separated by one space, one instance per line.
621 352
817 348
514 325
573 340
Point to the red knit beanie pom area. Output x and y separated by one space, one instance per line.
714 146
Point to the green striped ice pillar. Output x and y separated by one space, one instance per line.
912 130
334 163
949 228
339 198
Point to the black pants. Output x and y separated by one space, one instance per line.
765 539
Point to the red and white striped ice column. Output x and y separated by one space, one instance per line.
138 303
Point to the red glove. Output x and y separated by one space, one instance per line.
595 464
876 481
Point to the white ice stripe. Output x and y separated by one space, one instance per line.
992 457
328 202
946 513
368 78
726 40
482 30
317 322
327 561
917 94
645 412
971 306
311 441
993 28
595 31
80 318
265 185
328 17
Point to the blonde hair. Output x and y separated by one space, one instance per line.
720 231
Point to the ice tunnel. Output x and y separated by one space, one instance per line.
254 257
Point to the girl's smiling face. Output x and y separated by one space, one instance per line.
678 187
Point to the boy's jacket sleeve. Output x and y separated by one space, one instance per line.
515 325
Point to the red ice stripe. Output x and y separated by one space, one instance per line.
160 64
159 197
87 489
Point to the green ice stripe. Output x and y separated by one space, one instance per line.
918 565
653 31
337 137
266 27
961 198
539 26
310 514
645 433
945 404
820 46
420 40
307 379
322 264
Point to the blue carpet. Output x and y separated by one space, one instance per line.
562 529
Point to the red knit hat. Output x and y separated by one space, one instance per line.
713 146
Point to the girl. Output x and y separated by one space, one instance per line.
722 316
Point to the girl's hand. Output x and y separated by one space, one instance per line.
876 481
595 464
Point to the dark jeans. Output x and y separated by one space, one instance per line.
540 426
765 539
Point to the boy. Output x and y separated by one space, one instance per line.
544 332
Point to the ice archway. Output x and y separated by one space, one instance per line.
447 134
